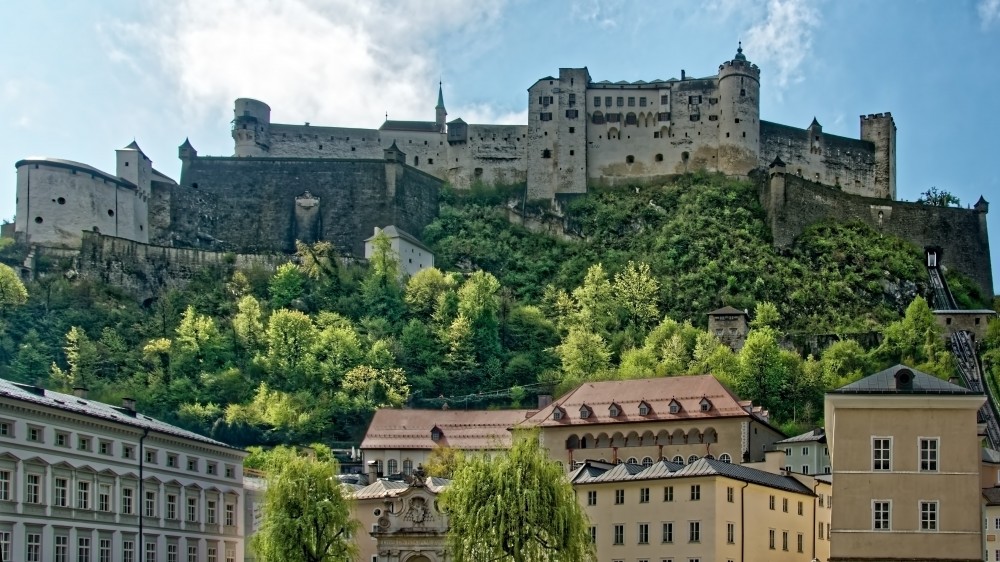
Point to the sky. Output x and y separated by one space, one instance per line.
81 79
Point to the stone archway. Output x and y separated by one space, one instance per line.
418 558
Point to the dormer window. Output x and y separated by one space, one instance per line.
706 404
675 406
614 411
558 413
436 434
644 408
584 412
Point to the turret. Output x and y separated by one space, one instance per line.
186 153
440 112
251 127
981 206
134 166
815 132
739 114
880 129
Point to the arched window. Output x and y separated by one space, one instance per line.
647 461
692 458
724 457
632 460
392 467
407 467
678 459
658 158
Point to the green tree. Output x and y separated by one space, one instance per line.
443 461
423 289
844 362
81 356
290 339
249 323
763 374
766 315
286 285
595 306
516 507
307 517
381 291
12 291
583 355
637 293
373 388
938 198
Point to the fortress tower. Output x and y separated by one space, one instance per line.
251 127
880 129
440 113
739 115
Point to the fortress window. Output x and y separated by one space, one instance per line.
416 160
696 117
744 134
631 101
321 147
693 100
597 101
607 102
111 213
713 101
572 113
737 119
61 200
743 92
38 220
572 130
713 117
545 116
727 135
631 119
621 101
572 100
663 116
140 228
430 160
630 159
658 158
478 172
573 152
685 156
546 153
664 99
656 134
642 101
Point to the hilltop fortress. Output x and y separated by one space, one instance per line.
305 182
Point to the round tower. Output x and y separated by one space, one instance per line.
739 115
251 127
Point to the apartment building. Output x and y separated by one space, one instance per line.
806 453
85 481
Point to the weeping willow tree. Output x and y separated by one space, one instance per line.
517 507
306 516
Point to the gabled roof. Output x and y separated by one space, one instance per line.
92 408
592 473
657 392
817 435
884 382
392 231
992 495
990 456
469 430
727 311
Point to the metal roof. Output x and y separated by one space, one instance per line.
92 408
415 126
884 382
818 434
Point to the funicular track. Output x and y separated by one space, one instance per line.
964 350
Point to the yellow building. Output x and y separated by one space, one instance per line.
642 421
905 451
704 511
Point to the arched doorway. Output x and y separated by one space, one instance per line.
418 558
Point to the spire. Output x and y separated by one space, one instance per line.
440 104
815 124
739 52
133 146
187 143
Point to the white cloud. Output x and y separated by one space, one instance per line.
331 62
782 40
989 12
598 12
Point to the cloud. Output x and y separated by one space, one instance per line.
782 40
597 12
336 62
989 12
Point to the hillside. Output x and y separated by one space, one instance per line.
306 354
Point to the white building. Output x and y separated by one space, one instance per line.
76 474
806 453
413 255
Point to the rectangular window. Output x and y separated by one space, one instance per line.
619 497
210 467
572 113
230 554
928 454
61 553
607 101
83 549
104 497
695 492
784 540
784 505
881 515
800 542
546 116
694 531
211 554
642 101
664 99
211 513
805 469
805 450
127 501
171 506
820 530
150 504
35 434
820 500
631 101
597 101
104 447
770 502
668 493
192 464
6 429
619 537
128 551
172 461
150 456
151 552
128 452
593 528
643 533
800 508
882 453
731 533
230 471
668 532
770 539
83 495
33 548
571 99
193 553
620 101
171 553
230 515
729 494
929 516
693 100
5 485
643 495
192 510
62 485
104 550
62 440
5 546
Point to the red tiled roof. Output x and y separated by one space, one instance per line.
628 394
470 430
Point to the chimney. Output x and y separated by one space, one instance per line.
682 74
544 400
80 392
129 404
372 471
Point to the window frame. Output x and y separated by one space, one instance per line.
881 464
935 452
876 518
934 520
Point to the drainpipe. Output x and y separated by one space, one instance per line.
743 527
815 508
141 500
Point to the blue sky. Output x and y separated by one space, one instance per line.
80 79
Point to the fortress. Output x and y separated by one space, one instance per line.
304 182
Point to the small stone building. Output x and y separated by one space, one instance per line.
730 325
412 254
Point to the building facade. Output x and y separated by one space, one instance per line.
806 453
401 521
413 256
86 481
730 325
905 450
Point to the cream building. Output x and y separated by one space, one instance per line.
85 481
400 521
413 256
806 453
398 441
905 451
642 421
708 510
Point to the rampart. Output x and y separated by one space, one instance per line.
146 270
263 205
794 203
